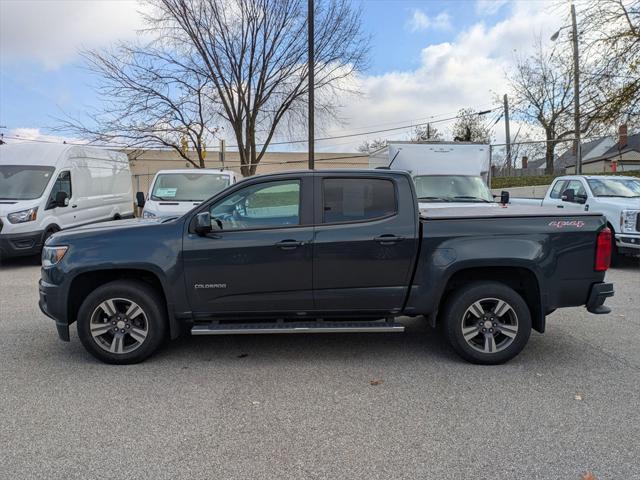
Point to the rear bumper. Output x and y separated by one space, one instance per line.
599 293
20 244
53 305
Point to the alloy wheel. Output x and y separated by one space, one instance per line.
489 325
119 325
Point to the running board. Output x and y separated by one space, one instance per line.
296 327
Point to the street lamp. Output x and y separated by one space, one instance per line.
576 85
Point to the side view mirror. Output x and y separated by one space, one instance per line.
203 223
62 199
504 197
140 200
569 195
582 199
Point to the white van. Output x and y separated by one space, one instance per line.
175 192
45 188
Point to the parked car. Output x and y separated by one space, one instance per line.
444 173
175 192
46 188
324 251
616 197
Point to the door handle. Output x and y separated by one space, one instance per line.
74 206
560 206
388 239
289 244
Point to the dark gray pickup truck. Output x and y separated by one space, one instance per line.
324 251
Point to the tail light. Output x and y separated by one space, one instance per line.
603 250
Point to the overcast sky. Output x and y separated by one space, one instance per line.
428 59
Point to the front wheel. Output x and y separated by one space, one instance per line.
122 322
487 323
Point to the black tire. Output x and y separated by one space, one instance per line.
152 322
461 312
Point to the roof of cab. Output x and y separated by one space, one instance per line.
206 171
31 153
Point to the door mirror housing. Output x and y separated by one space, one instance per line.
140 200
569 195
582 199
62 199
202 223
504 197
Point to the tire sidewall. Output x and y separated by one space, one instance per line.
148 300
462 300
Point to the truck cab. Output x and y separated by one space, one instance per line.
175 192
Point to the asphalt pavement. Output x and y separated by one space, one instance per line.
324 406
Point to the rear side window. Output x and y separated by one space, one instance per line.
357 199
557 189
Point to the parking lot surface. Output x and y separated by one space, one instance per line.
322 406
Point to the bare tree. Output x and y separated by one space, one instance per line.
369 146
149 99
254 53
425 133
471 127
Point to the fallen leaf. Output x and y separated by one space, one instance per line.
589 476
376 381
578 397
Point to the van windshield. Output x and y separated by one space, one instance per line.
452 188
23 182
188 187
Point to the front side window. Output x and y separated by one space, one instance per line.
23 182
578 188
187 187
357 199
63 184
557 190
265 205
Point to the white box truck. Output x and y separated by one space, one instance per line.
45 188
444 173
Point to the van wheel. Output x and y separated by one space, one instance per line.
122 322
487 323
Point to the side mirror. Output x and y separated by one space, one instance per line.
140 200
504 197
203 223
62 199
569 195
582 199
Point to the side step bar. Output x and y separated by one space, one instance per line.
295 327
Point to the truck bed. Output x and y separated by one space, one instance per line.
499 212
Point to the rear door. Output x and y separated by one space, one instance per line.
365 242
260 262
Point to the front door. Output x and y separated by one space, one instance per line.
260 260
365 245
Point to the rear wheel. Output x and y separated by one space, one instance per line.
487 323
122 322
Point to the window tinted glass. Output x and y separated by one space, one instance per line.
577 187
557 189
267 205
355 199
63 184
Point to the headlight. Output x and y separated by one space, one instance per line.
146 214
628 220
23 216
52 255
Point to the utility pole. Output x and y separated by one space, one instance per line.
222 151
312 63
507 133
576 91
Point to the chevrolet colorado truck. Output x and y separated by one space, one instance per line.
324 251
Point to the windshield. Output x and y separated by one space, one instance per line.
615 187
23 182
188 187
452 188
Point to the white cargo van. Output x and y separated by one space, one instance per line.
444 173
175 192
45 188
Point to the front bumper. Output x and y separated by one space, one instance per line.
20 244
628 243
54 306
599 293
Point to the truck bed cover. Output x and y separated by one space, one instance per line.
499 212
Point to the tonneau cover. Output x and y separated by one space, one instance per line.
500 212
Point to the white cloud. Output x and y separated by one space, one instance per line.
468 71
489 7
52 32
420 21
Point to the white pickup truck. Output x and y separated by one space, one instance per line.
616 197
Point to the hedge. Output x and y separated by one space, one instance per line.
530 181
